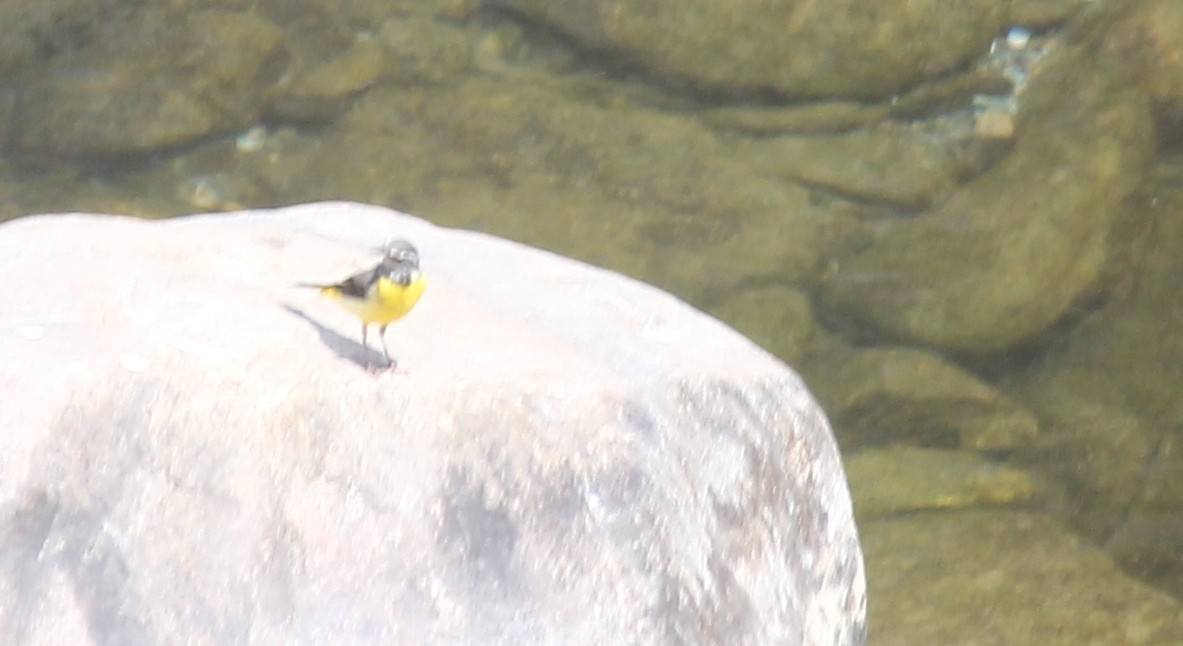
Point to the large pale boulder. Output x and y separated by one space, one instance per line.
192 451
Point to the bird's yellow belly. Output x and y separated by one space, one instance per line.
387 301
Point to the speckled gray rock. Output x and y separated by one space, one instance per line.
192 452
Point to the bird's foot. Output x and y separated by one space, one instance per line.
376 369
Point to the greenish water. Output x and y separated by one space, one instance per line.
987 307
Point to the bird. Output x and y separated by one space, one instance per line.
383 294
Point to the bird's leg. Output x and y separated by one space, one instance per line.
386 351
365 347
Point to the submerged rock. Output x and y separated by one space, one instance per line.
884 396
320 92
902 480
1015 576
843 48
890 163
778 318
1160 24
1109 395
1012 252
170 83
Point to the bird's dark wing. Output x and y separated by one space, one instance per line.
357 284
395 269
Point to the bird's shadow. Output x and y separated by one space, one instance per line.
345 347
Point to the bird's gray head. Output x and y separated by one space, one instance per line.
401 251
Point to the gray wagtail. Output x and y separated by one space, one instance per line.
381 295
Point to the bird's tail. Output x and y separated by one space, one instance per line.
325 290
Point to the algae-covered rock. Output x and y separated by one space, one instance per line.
900 395
1108 393
1000 576
810 118
1148 544
1160 23
1010 253
778 318
423 49
890 163
1043 13
854 48
898 480
170 83
319 92
1095 454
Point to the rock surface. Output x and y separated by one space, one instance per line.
903 480
165 82
889 163
1160 23
775 317
1013 251
973 577
192 450
883 396
853 48
1109 394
